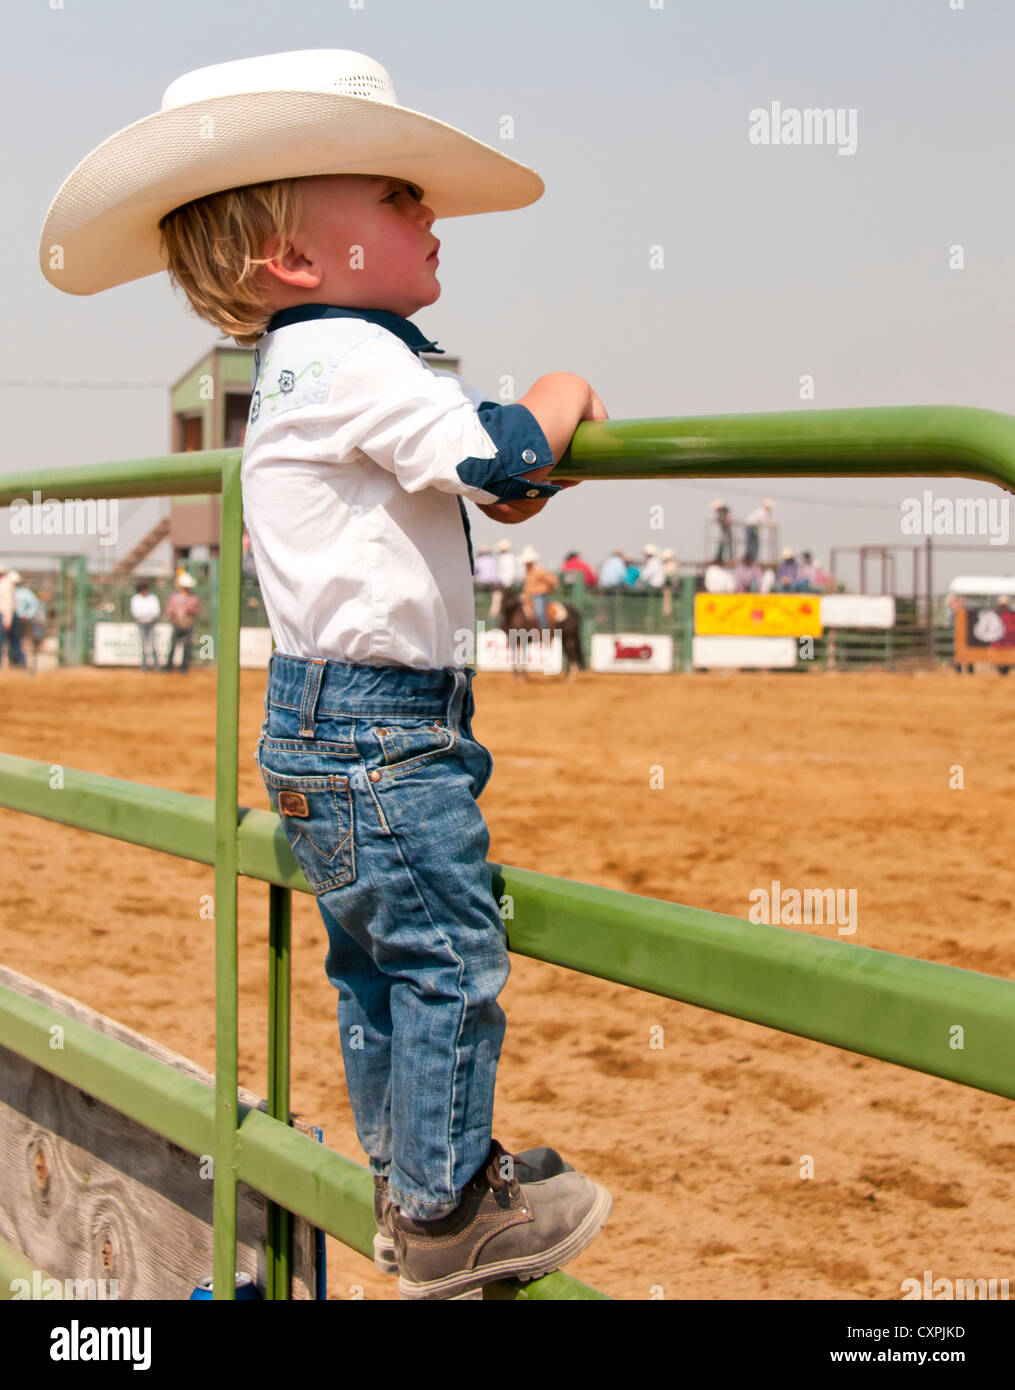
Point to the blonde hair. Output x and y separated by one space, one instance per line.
214 244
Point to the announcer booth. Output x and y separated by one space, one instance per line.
984 607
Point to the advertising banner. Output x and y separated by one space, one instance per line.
758 615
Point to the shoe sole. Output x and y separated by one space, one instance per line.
469 1283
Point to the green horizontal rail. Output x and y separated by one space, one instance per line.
917 440
289 1168
872 1002
169 476
870 441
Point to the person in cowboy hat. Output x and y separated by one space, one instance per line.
652 576
292 199
786 571
10 623
539 584
760 516
182 610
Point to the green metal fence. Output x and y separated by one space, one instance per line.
882 1005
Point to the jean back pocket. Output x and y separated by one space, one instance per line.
316 814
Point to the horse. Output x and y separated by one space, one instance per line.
507 610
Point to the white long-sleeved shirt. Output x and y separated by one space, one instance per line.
144 608
355 462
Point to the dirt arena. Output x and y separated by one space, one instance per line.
817 781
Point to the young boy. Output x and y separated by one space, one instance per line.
294 201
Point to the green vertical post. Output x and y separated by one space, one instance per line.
62 657
227 650
279 975
78 644
687 623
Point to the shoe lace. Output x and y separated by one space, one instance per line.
493 1172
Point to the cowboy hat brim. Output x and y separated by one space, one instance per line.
102 229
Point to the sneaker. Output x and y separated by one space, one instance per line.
531 1165
501 1229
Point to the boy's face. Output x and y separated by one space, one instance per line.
395 269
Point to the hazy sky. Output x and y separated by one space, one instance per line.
779 260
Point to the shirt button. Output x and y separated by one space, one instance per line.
532 492
375 776
528 456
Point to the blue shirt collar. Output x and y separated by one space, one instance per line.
394 323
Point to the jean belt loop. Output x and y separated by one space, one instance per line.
455 701
311 694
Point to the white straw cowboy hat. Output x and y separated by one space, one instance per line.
528 554
279 116
186 581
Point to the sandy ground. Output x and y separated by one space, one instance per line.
817 781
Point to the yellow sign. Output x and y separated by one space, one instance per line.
763 615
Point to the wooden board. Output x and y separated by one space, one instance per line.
90 1194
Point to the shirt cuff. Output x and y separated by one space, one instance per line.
521 447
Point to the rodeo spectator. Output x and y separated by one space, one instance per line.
538 584
652 575
671 568
632 574
725 523
182 611
954 602
574 564
806 576
145 609
785 574
10 623
747 575
27 610
247 561
506 572
613 574
486 568
761 516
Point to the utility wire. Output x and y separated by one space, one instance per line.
87 385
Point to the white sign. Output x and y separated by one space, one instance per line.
119 644
857 610
494 653
632 651
735 652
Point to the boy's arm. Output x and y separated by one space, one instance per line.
560 401
424 429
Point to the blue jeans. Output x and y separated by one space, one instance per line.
374 774
146 632
12 635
